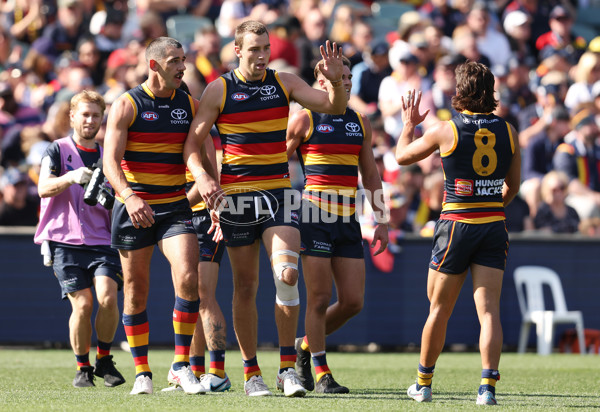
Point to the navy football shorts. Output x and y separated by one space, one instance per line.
75 266
248 215
326 235
167 223
456 245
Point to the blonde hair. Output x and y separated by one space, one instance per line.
88 96
585 66
546 190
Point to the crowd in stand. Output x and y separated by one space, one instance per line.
547 82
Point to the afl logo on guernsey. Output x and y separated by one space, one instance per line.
325 128
150 116
239 96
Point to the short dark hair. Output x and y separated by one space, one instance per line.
250 26
345 61
474 88
157 48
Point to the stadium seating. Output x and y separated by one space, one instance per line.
533 308
183 27
390 11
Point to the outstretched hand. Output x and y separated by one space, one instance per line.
410 108
331 66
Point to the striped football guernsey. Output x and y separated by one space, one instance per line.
475 168
153 162
252 124
329 158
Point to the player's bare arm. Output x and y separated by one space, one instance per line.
297 131
332 102
206 115
410 150
119 118
371 181
512 182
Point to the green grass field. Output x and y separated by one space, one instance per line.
40 380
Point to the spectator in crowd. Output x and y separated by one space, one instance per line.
367 77
465 43
409 23
107 28
553 214
283 34
438 100
16 207
580 161
26 20
314 27
515 87
537 159
405 77
518 216
586 73
549 94
89 56
517 26
490 41
69 27
443 15
560 36
152 26
362 37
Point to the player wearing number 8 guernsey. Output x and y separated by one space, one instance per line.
481 162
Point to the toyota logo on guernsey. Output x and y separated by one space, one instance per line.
179 117
150 116
352 127
267 90
239 96
325 128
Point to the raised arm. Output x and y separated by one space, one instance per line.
371 181
332 102
297 130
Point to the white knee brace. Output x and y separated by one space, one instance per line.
286 295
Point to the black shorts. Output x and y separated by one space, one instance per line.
210 251
76 266
456 245
326 235
248 215
167 223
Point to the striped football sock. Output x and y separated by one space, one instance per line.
103 349
424 376
287 358
217 363
251 368
83 360
137 331
320 361
185 316
197 364
489 377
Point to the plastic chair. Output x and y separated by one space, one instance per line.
183 27
533 308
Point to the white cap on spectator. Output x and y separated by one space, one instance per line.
514 19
